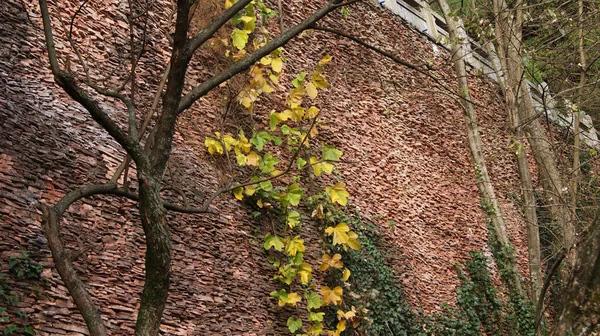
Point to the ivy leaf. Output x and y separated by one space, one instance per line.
311 90
338 193
293 219
328 261
273 241
332 295
345 274
239 38
294 194
305 273
260 139
314 162
330 153
294 246
339 232
238 193
294 324
313 301
277 64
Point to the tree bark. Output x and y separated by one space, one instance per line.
457 39
580 311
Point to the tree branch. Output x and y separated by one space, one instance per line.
200 38
237 67
67 81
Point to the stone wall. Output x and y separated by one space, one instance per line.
406 160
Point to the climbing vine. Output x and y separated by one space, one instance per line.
276 153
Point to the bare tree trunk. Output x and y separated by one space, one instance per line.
581 301
509 31
457 39
577 110
158 256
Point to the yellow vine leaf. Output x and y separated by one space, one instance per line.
327 167
277 64
311 90
296 95
229 141
252 159
312 112
213 146
238 193
314 131
316 329
243 144
325 60
338 193
318 212
239 38
305 273
266 60
274 79
345 274
345 316
315 165
353 242
332 295
229 3
295 246
339 232
291 299
293 219
341 326
250 190
319 80
266 88
328 261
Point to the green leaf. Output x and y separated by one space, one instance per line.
260 139
314 301
316 317
276 140
297 82
331 154
294 194
239 38
268 163
301 162
294 324
273 241
293 219
295 246
266 185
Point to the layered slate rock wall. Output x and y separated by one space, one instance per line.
406 164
